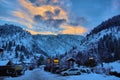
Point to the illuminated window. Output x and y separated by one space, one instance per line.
56 61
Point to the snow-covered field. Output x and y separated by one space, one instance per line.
92 77
40 74
114 65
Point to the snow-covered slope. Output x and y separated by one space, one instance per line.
21 45
39 74
115 66
18 44
102 44
103 40
91 41
57 44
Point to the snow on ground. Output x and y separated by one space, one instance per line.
92 76
40 74
115 66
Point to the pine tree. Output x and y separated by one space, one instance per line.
16 54
21 57
40 60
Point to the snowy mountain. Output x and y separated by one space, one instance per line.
20 45
59 44
102 44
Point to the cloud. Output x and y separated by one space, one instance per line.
115 4
55 22
78 21
43 33
42 16
111 10
16 21
41 10
38 18
23 15
68 29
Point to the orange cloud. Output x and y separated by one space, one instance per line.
17 21
19 14
43 33
27 18
23 15
40 10
73 29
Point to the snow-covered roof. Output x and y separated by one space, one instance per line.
4 63
71 58
27 61
37 55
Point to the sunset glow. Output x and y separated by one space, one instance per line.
58 16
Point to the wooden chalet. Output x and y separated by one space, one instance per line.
70 62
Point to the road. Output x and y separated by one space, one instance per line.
38 74
3 77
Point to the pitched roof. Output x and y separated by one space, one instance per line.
4 63
71 59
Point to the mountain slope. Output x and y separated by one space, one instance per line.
104 41
18 45
112 22
59 44
102 44
21 45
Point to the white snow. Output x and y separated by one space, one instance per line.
92 77
37 74
40 74
57 44
93 39
115 66
4 63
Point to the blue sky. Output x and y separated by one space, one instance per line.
58 16
96 11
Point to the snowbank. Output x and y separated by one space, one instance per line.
37 74
40 74
92 77
114 66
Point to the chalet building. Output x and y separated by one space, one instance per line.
5 67
92 62
55 65
70 62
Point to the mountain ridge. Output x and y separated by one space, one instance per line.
18 42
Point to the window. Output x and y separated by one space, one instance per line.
73 69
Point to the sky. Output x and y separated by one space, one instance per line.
76 17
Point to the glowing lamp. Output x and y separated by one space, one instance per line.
56 61
90 58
